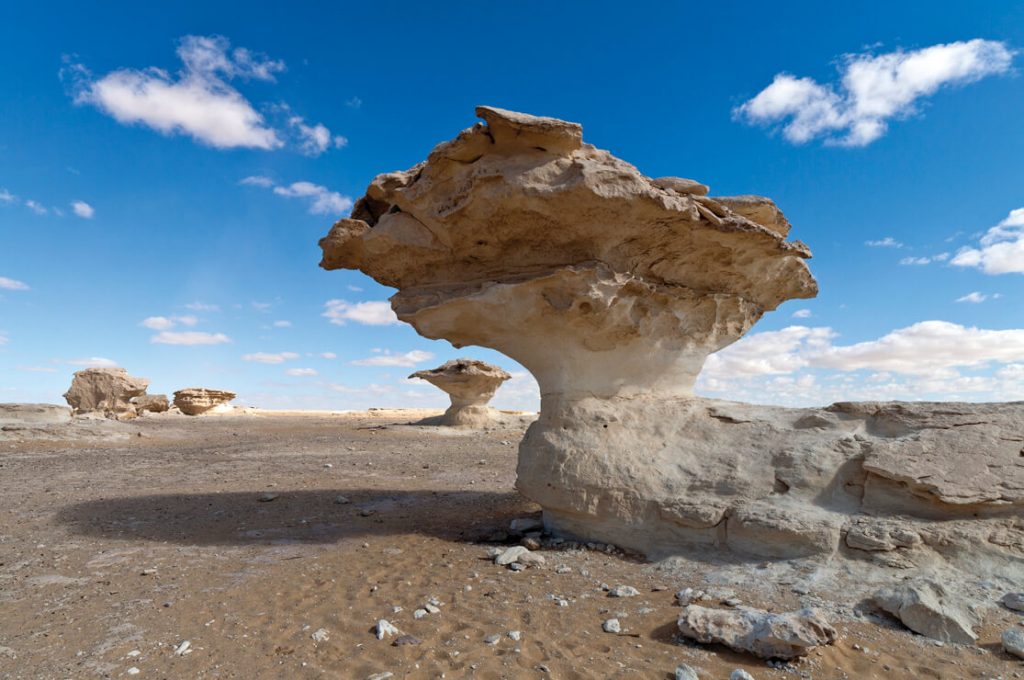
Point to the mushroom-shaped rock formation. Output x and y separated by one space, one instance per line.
612 288
106 391
194 401
470 384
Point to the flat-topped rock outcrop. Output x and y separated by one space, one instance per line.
612 288
194 401
106 391
470 384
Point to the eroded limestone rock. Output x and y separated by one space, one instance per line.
106 391
767 635
612 289
194 401
928 608
154 403
470 384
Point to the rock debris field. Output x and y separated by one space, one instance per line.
362 546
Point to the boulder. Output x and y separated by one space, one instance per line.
194 401
470 384
612 289
928 608
154 403
106 391
1013 642
754 631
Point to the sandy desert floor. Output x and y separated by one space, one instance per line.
114 552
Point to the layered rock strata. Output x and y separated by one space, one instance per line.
470 384
194 401
612 288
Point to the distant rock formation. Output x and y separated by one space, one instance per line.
470 384
612 288
194 401
154 403
106 391
33 415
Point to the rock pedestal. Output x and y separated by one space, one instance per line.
612 288
194 401
470 384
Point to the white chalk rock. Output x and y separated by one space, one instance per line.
767 635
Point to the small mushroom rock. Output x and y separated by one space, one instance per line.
470 384
194 401
106 391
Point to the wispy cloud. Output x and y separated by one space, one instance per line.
202 307
267 358
83 209
6 196
93 362
301 372
257 181
923 260
328 355
1000 250
36 207
386 358
313 140
368 313
975 297
199 101
282 324
320 199
162 323
887 242
12 284
189 338
873 90
801 314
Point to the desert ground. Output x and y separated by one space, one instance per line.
274 543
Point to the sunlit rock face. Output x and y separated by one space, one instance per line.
105 391
470 384
612 288
196 401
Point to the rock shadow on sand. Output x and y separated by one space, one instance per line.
294 516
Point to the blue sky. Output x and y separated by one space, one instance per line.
130 233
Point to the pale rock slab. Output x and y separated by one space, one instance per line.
106 391
154 403
767 635
470 384
928 608
194 401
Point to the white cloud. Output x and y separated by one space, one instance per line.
887 242
354 102
265 358
282 324
6 196
368 313
974 297
322 201
802 314
257 181
83 209
4 338
354 289
163 323
921 261
315 139
874 89
1000 250
300 372
261 307
202 307
408 359
328 355
12 284
93 362
198 101
189 338
35 207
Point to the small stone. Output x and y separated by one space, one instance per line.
341 500
384 629
515 635
366 512
689 595
381 676
1013 642
611 626
740 674
531 559
492 639
684 672
563 569
623 591
183 648
133 671
419 613
266 497
133 654
732 602
321 635
403 640
1014 601
148 572
328 465
510 555
530 543
431 608
516 566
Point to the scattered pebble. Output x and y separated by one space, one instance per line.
183 648
148 572
133 670
515 635
320 635
492 639
740 674
419 613
381 676
684 672
341 500
510 555
384 629
266 497
611 626
563 569
623 591
403 640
